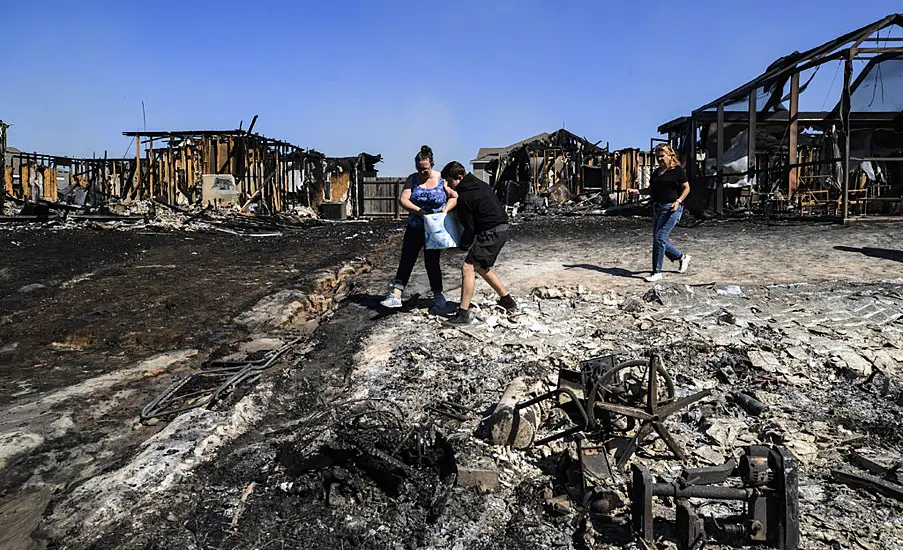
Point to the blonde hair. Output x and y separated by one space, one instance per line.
671 158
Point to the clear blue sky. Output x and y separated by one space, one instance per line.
385 77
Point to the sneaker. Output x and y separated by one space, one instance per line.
461 317
507 302
439 301
391 301
684 263
654 277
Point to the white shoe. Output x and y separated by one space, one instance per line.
391 301
684 263
439 301
654 277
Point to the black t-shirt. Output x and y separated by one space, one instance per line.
667 187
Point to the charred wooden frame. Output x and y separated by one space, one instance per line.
785 170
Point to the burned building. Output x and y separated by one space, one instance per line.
194 167
755 148
345 183
226 166
559 164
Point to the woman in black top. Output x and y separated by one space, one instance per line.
668 188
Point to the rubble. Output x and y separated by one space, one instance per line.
375 439
444 366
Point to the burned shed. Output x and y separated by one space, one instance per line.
559 164
763 147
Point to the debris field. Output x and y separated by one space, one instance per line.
337 424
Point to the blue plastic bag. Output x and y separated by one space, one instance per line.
442 230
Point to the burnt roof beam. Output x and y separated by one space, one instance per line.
815 56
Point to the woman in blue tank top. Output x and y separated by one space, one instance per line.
425 192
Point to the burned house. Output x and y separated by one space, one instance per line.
226 166
559 165
195 167
761 147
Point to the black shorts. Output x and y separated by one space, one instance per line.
486 247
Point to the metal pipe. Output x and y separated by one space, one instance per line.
702 491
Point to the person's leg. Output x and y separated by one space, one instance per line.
433 269
468 281
670 251
659 217
410 249
490 277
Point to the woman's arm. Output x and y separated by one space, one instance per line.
684 191
452 198
405 201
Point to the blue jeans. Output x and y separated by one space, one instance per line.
663 222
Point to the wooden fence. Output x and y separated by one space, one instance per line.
378 197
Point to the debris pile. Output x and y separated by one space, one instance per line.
406 455
148 214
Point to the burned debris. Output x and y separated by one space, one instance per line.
768 491
562 173
557 166
608 401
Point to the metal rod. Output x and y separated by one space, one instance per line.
701 491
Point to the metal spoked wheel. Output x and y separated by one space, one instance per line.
627 384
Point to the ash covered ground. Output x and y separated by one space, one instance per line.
366 434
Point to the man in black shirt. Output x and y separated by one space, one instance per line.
485 232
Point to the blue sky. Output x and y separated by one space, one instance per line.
385 77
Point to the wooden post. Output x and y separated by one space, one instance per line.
23 180
397 194
358 210
50 184
136 190
5 184
845 109
691 150
150 168
719 159
751 148
793 175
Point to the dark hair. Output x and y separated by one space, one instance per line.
425 154
453 170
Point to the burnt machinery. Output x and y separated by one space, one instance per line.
765 481
630 399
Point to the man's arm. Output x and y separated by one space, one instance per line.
465 216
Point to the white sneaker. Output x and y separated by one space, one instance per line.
391 301
654 277
684 263
439 301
